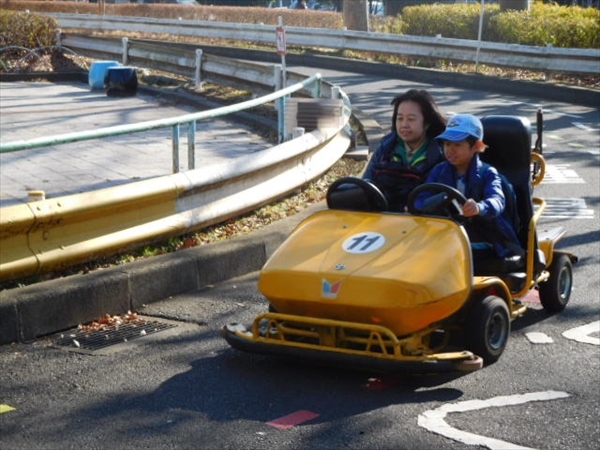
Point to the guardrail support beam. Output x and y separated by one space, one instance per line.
125 46
175 139
280 105
191 145
198 70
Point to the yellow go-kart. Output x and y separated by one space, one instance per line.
359 286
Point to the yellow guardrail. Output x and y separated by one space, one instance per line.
51 234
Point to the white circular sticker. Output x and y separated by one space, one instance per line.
366 242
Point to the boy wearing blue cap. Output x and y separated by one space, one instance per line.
479 182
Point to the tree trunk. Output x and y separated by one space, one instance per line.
514 4
355 15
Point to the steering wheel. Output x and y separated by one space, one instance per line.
375 199
446 200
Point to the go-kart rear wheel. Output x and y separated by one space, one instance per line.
556 290
488 328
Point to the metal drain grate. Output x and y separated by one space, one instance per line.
115 334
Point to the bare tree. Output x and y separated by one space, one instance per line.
356 15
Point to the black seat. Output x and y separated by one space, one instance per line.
508 140
509 150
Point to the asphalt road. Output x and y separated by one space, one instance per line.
186 389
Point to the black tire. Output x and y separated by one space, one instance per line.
488 328
555 292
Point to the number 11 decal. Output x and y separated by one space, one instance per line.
366 242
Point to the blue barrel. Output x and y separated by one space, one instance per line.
98 72
121 82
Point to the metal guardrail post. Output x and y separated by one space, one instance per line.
125 45
336 92
191 145
198 70
175 138
278 78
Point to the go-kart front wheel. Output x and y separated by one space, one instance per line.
556 290
488 328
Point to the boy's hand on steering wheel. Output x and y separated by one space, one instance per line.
470 208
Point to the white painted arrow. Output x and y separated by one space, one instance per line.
433 420
582 333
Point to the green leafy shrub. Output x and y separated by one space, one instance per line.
459 21
543 24
388 24
561 26
26 30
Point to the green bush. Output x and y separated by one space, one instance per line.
561 26
459 21
543 24
26 30
388 24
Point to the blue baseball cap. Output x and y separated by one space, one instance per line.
460 127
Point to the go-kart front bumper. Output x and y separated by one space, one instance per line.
347 344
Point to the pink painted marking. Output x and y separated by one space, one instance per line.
382 383
532 296
293 419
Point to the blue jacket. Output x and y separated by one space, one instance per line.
397 179
484 185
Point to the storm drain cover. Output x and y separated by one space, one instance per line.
92 339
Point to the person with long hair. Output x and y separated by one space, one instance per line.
405 156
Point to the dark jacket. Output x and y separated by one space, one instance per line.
484 185
397 179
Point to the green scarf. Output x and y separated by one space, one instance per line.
400 155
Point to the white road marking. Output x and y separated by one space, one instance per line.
536 337
567 208
544 110
582 126
433 420
582 333
561 173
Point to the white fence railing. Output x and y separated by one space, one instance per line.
548 58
